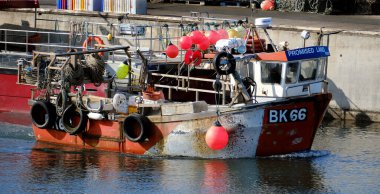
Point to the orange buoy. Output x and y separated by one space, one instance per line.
267 5
216 137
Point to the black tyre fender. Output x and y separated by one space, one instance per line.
43 114
224 69
71 125
135 127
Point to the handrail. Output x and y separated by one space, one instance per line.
196 90
34 31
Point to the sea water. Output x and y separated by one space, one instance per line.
345 158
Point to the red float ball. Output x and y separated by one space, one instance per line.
197 57
216 137
223 34
213 36
171 51
196 36
185 42
204 45
188 57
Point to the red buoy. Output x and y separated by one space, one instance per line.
185 42
171 51
223 34
197 55
216 137
188 57
204 45
213 36
196 36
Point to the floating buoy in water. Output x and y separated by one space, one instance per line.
223 34
185 42
212 36
216 137
171 51
196 36
267 5
122 71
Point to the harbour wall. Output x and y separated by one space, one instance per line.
353 70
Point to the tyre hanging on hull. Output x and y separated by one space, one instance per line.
74 120
43 114
135 127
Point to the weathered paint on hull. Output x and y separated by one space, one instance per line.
252 132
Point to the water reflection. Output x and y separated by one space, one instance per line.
77 170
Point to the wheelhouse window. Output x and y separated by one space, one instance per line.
291 73
308 70
271 73
321 68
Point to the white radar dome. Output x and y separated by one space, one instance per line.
263 22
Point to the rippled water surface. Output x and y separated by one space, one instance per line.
345 159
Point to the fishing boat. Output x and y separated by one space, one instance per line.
228 103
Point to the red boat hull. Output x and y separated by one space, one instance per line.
248 137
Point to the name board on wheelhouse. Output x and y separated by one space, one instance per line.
307 53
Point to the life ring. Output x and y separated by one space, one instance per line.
224 68
91 38
43 114
74 120
135 127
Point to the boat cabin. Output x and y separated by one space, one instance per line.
290 73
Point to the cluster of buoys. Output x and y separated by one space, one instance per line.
198 38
